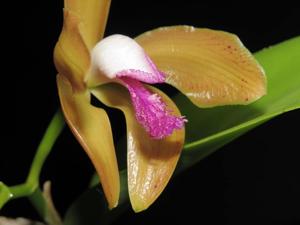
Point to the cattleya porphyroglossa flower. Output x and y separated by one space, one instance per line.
210 67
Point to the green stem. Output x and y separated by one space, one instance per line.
53 131
31 188
20 190
38 202
42 202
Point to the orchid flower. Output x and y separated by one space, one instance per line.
210 67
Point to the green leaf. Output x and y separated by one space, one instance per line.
210 129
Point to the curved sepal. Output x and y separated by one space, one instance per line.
71 54
93 16
91 127
210 67
150 162
84 24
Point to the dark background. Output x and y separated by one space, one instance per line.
253 180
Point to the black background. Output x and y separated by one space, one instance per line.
254 180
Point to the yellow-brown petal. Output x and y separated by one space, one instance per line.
93 16
84 24
71 54
210 67
150 162
91 127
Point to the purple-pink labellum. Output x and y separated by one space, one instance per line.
120 58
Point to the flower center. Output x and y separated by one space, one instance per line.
122 59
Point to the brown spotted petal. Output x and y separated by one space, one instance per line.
150 162
91 127
210 67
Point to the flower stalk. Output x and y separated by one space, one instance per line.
31 188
